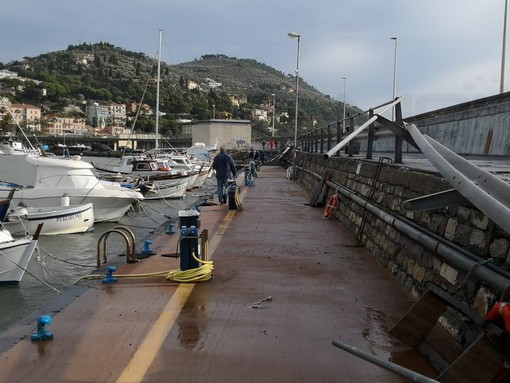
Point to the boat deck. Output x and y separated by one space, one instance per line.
286 284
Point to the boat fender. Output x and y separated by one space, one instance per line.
331 206
65 201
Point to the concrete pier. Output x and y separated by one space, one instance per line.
286 284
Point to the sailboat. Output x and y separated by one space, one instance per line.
149 173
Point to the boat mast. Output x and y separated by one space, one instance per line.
157 93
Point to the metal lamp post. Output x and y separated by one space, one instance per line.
295 35
502 80
345 85
273 112
394 76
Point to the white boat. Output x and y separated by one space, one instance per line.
57 220
73 177
202 176
15 253
15 147
154 179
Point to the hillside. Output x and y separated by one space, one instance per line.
103 73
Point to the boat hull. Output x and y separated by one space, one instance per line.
56 220
201 178
171 189
15 254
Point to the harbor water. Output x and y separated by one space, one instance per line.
62 259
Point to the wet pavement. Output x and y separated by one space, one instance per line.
286 284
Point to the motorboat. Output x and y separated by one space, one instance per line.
153 177
57 220
56 177
15 147
15 253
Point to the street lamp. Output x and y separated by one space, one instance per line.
502 83
295 35
273 111
394 76
345 85
214 111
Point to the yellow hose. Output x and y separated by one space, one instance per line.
199 274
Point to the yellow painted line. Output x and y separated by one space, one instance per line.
145 355
148 350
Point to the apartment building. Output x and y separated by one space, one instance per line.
60 126
105 115
26 116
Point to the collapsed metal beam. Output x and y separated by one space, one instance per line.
435 201
358 130
398 130
387 365
488 193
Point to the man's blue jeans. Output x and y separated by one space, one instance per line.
222 189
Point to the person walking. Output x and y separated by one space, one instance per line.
225 170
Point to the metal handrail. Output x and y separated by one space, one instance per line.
130 245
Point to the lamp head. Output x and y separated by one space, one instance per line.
294 35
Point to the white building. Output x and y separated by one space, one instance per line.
227 133
103 115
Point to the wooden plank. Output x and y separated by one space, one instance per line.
419 320
477 364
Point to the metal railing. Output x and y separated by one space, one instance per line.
329 139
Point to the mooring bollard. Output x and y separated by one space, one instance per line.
109 278
147 247
42 333
170 229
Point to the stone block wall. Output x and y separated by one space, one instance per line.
387 186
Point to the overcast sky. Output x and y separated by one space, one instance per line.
448 51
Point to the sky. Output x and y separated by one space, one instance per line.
447 51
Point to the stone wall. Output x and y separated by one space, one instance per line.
387 186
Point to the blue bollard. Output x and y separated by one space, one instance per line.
42 333
147 247
170 229
109 278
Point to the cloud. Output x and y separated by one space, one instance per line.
448 51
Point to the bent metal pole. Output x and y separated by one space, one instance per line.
346 140
387 365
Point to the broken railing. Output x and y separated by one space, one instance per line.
488 193
321 140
